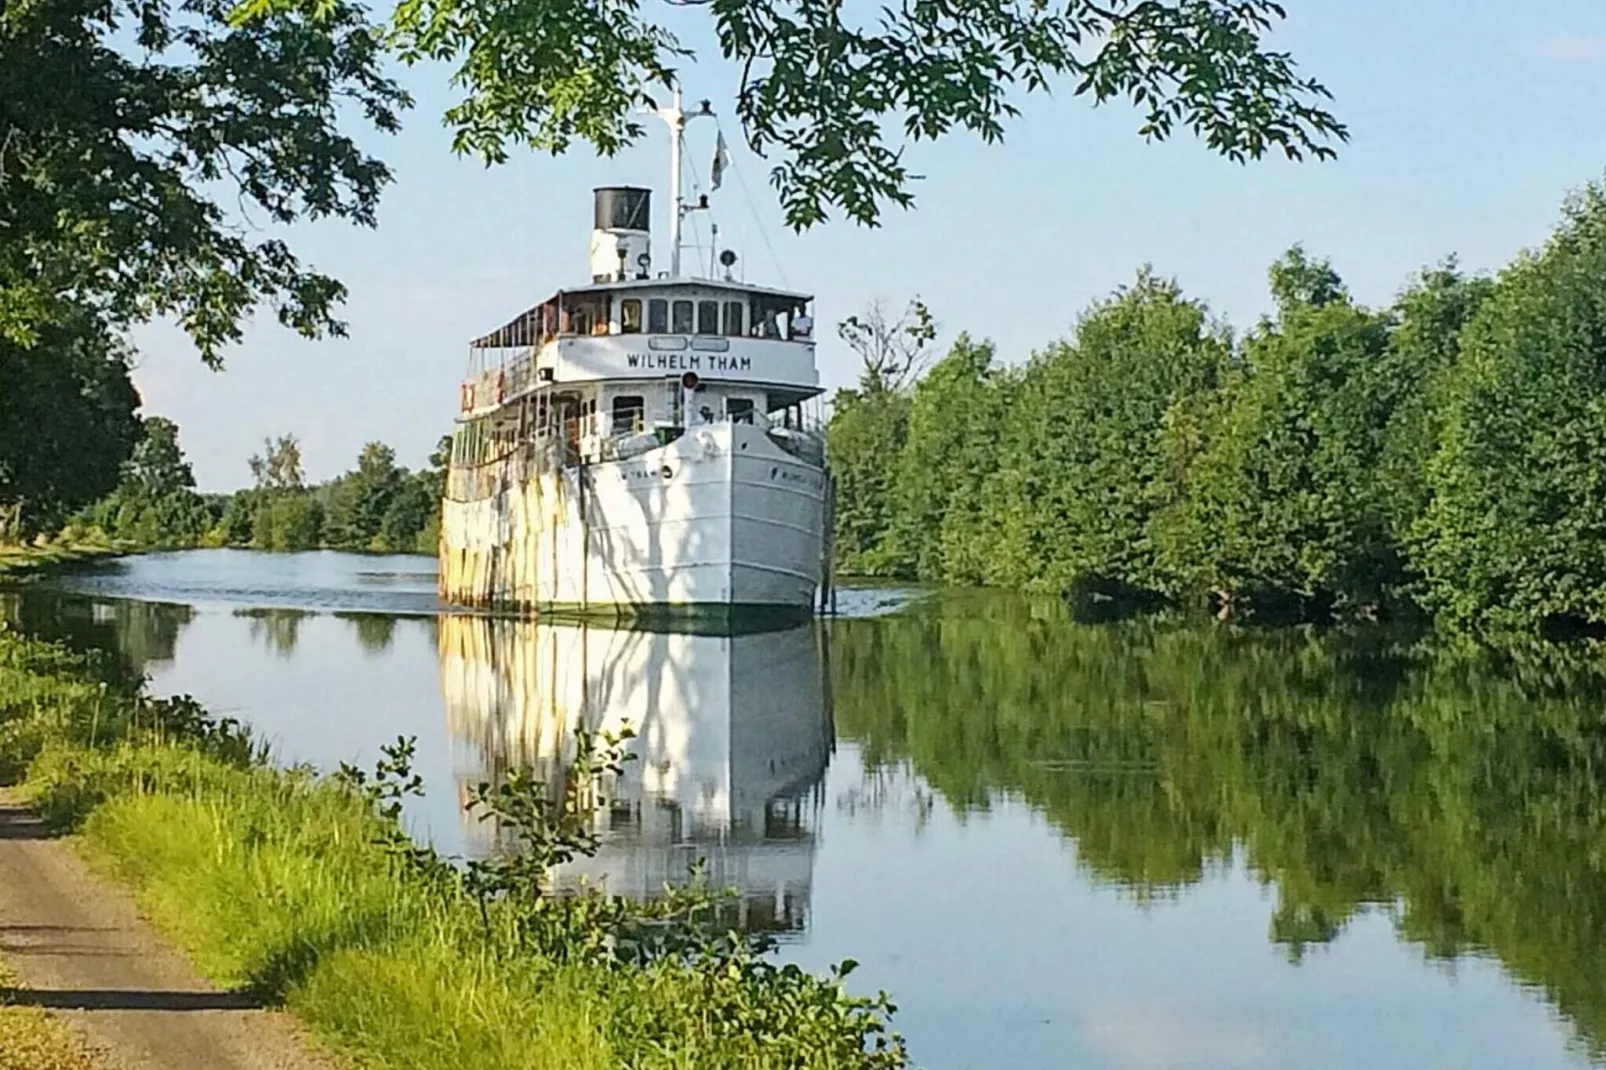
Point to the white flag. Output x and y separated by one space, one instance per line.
716 170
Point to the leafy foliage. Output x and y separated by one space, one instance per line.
830 97
308 890
1086 459
1333 461
379 506
864 438
155 505
128 127
948 451
1516 528
1283 500
67 421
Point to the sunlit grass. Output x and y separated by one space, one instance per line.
278 882
22 560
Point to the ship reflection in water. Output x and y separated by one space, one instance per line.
733 735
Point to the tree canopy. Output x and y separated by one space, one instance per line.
143 146
67 422
1440 454
140 143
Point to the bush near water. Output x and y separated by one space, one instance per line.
1441 455
305 890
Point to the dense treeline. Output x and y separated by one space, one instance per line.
377 506
1355 769
1441 454
68 420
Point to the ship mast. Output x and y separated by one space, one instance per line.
676 120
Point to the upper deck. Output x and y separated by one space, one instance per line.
648 329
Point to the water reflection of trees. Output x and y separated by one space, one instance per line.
375 631
1461 792
733 736
135 637
279 630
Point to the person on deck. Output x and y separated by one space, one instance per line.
772 329
802 325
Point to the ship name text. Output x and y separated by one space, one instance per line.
689 362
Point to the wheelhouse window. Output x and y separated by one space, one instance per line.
681 323
708 317
735 318
630 316
657 316
629 413
739 410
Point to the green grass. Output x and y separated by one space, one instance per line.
21 561
279 882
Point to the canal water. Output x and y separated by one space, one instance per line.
1058 845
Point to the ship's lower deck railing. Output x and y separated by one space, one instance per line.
582 440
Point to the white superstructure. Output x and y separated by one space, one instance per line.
640 441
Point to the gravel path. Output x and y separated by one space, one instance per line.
81 950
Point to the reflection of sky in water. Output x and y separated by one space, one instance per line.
999 948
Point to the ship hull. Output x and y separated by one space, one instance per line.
720 520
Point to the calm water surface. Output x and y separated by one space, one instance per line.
1132 845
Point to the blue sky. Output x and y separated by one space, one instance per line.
1470 121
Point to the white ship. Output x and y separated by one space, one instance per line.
639 442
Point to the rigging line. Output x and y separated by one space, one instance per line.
763 231
697 187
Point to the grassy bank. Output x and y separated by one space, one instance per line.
304 890
22 561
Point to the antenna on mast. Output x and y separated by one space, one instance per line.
676 120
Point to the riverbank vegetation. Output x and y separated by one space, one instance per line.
378 506
1437 456
306 890
1358 770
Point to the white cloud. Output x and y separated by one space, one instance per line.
1570 48
1165 1037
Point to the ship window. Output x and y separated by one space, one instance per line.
739 410
630 316
657 316
681 323
629 413
734 315
708 317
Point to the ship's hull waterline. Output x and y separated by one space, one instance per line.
719 522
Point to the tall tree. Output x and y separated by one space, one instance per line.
948 452
278 466
1283 500
158 466
360 499
67 422
892 351
863 441
1089 471
1515 532
155 505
